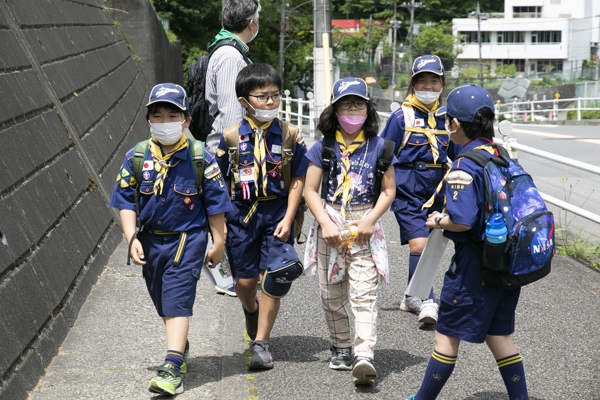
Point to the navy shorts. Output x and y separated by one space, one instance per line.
172 286
413 189
248 246
469 310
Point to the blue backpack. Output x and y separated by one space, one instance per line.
529 249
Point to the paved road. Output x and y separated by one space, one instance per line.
117 344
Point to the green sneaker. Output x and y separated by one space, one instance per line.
168 381
183 367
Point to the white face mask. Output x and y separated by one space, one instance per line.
166 133
450 133
264 115
427 97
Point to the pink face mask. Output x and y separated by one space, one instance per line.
351 123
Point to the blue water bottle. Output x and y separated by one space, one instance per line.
496 231
496 234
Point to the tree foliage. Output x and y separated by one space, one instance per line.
197 22
436 39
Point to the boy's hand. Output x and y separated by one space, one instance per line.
137 252
214 256
282 232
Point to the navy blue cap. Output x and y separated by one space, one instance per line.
464 102
349 86
283 266
169 93
427 63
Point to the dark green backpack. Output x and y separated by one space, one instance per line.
196 152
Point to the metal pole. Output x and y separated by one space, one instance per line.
395 26
479 40
412 20
598 55
282 40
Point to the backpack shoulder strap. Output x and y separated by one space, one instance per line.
328 160
383 163
289 139
476 157
138 160
409 121
197 154
232 43
232 141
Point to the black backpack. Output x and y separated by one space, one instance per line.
202 120
330 161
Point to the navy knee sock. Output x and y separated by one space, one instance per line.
513 373
175 358
413 261
438 371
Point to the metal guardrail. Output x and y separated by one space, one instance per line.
512 146
547 110
299 116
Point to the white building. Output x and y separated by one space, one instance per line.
533 35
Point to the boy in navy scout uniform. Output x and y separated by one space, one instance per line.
175 220
469 310
263 208
422 149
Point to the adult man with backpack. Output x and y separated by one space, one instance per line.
211 81
240 27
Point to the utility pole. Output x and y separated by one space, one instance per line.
480 17
395 25
411 7
321 25
282 40
598 52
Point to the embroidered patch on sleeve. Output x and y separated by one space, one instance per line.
212 171
458 180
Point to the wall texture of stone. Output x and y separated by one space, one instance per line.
72 102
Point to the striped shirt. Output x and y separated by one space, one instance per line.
223 68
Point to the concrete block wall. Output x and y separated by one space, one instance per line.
72 102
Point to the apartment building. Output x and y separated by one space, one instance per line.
537 36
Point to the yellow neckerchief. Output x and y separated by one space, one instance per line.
430 202
161 164
260 153
345 182
412 101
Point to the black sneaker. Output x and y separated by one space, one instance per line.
341 358
261 355
363 371
251 322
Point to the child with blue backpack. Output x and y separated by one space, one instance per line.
175 212
469 309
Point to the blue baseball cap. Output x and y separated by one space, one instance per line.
464 102
283 267
169 93
349 86
427 63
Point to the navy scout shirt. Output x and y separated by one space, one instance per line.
178 208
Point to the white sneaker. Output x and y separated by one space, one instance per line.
411 304
429 312
230 291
